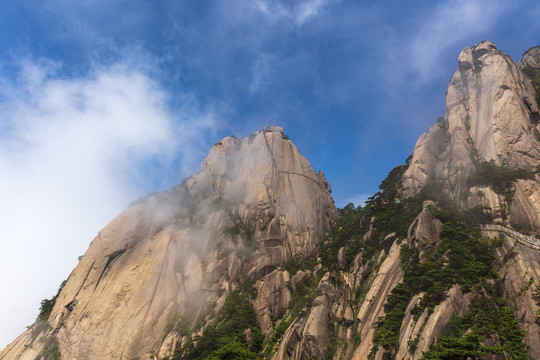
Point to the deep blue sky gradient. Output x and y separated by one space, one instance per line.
344 82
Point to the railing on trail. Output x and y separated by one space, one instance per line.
526 240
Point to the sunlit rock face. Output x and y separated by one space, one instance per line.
255 204
491 115
531 59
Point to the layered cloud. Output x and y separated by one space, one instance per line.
451 23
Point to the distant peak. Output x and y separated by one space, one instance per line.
533 49
531 59
273 129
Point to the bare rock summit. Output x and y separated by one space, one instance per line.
491 116
255 204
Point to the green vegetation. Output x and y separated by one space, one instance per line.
226 338
463 257
487 316
238 227
47 305
50 350
233 350
389 214
348 231
385 212
472 216
179 324
393 214
45 310
299 305
304 295
499 178
335 341
301 263
270 346
536 297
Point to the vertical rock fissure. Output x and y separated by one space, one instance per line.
270 151
110 260
84 281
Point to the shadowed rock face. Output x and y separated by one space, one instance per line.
254 205
491 115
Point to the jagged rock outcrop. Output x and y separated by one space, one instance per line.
372 307
491 115
531 59
331 316
308 337
272 296
425 232
296 278
255 204
517 264
162 271
520 284
425 330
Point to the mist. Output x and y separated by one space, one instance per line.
74 152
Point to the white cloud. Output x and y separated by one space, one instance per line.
298 14
308 10
73 153
261 72
453 22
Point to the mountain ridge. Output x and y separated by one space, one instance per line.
249 258
491 115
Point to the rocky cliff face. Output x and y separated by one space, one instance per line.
405 277
491 124
491 115
491 128
255 204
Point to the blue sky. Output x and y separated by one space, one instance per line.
104 101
